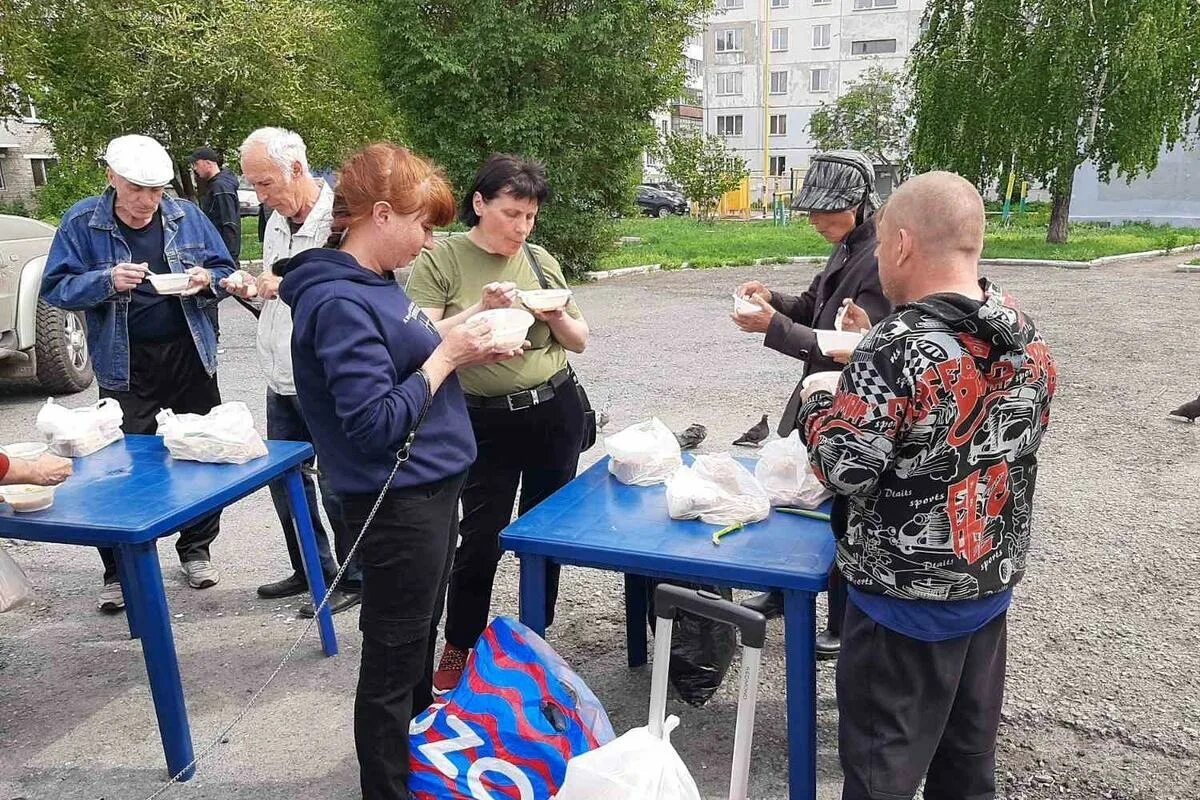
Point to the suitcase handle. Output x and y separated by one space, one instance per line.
670 599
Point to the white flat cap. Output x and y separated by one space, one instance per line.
140 160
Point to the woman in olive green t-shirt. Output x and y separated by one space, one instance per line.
525 412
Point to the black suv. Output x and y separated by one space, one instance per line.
656 202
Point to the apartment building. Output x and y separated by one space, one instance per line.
769 64
26 157
685 112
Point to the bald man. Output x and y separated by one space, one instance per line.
932 436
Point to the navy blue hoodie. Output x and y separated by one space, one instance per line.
357 341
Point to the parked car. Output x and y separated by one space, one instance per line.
247 199
41 346
657 202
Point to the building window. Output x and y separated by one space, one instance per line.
42 169
822 2
729 83
779 82
779 40
732 4
729 41
729 125
779 3
866 5
819 80
872 47
779 124
2 186
820 37
778 165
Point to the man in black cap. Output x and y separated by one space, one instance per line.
219 199
839 196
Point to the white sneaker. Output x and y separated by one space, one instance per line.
200 574
111 599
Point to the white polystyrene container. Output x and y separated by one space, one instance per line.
25 497
545 299
509 326
169 283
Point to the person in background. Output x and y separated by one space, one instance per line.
149 351
218 199
932 436
275 163
839 196
526 413
377 385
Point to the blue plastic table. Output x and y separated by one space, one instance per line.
596 521
128 495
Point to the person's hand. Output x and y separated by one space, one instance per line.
45 470
840 356
470 344
752 289
498 295
126 276
819 382
755 321
241 284
199 279
549 317
853 318
268 285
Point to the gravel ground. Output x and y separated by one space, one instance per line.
1103 696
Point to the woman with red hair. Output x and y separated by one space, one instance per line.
375 377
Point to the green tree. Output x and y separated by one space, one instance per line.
570 83
703 166
871 116
205 72
1043 86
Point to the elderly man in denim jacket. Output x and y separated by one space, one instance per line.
149 350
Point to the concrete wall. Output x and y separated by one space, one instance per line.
32 141
1168 196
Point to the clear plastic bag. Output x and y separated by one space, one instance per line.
15 588
225 435
635 766
786 475
78 432
717 490
644 454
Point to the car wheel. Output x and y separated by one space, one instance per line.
656 212
63 366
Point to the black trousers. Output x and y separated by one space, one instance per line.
406 556
537 447
167 375
909 709
839 520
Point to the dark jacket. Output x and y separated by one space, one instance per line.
933 436
220 205
850 272
357 342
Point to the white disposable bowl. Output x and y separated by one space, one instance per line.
509 326
831 341
25 450
545 299
25 497
822 381
169 283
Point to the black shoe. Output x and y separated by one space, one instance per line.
769 604
828 645
293 585
339 601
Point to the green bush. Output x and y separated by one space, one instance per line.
15 207
69 182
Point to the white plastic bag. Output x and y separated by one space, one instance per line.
786 475
15 588
225 435
717 490
635 766
78 432
643 454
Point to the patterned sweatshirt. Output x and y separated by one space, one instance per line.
933 436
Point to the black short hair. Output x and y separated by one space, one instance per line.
523 178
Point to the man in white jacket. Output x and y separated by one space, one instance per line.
275 163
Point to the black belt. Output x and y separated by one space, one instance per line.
526 398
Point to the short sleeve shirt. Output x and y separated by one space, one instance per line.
452 277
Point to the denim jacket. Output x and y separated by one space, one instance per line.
78 276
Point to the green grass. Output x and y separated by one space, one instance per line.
251 246
674 240
1195 262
